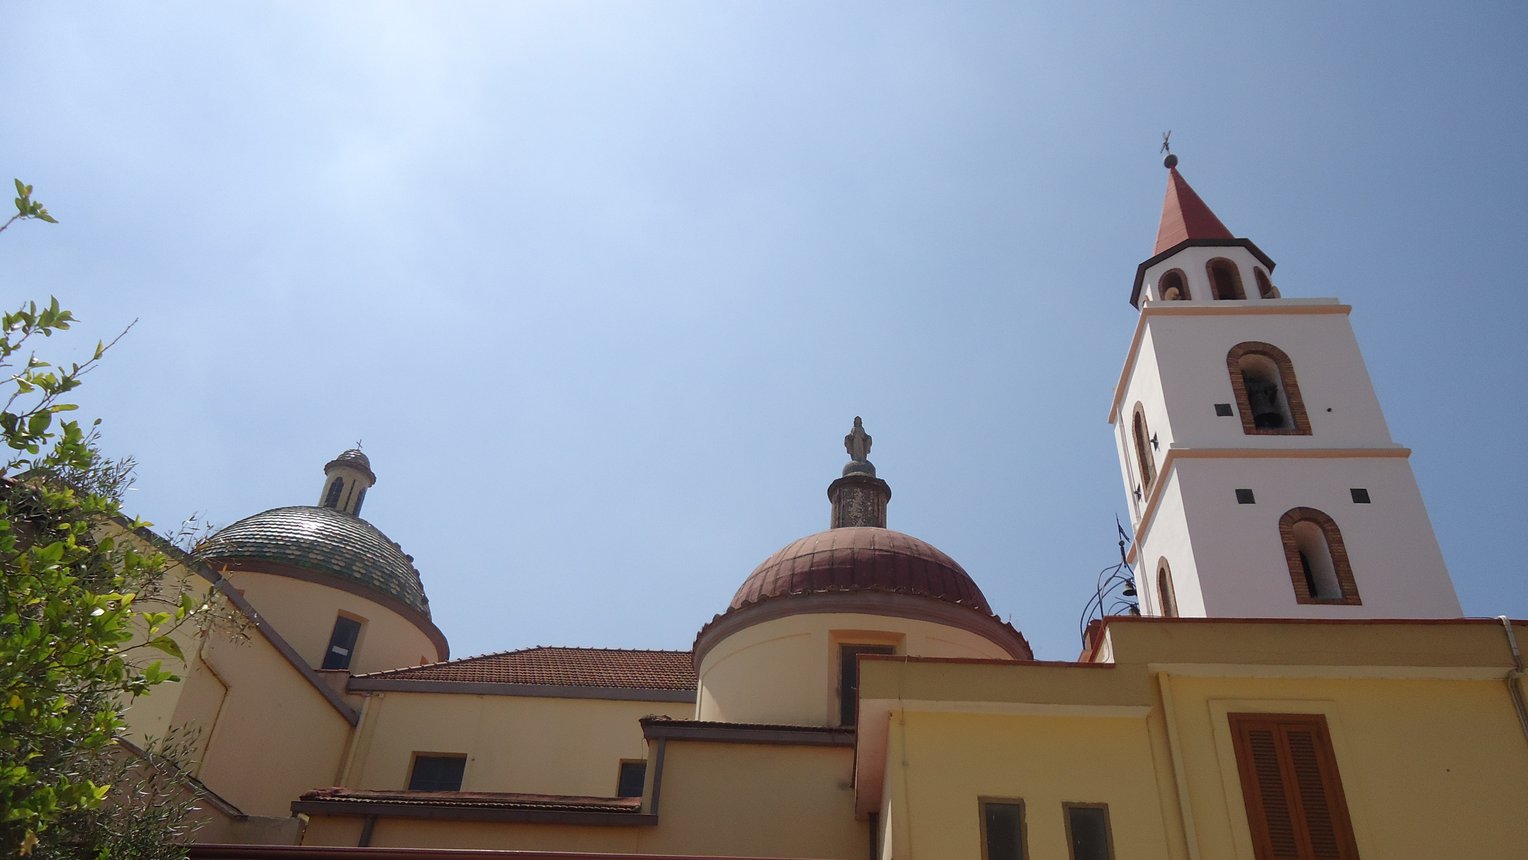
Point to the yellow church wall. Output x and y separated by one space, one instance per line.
942 765
272 736
759 799
150 716
413 832
304 612
1429 768
785 670
716 799
512 743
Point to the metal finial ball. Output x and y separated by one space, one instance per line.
1170 161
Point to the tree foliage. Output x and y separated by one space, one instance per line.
81 605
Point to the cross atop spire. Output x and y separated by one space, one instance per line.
1184 215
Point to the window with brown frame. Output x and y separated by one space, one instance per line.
1295 805
1143 459
630 778
1225 280
1317 558
848 678
1087 831
1267 393
1173 287
342 640
1002 824
1166 597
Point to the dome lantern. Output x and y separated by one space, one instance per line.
859 497
346 480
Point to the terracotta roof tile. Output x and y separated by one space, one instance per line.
1185 216
478 799
556 666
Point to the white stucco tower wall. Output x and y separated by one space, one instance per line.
1259 471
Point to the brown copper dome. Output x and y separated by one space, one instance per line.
860 559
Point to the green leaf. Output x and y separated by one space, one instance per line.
167 645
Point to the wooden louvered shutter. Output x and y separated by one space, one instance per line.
1295 806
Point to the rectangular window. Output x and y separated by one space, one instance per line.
437 772
1002 830
1087 831
1295 807
1360 495
1245 497
848 678
629 782
342 643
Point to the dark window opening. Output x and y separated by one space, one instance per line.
848 678
360 498
1166 597
1265 287
1173 286
1087 831
1223 410
1225 281
1310 575
629 783
1319 570
1263 380
1360 496
1245 497
437 772
342 643
1316 562
1143 458
1260 379
332 498
1002 831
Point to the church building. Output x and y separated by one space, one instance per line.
1295 681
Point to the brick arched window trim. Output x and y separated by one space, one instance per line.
1334 545
1299 422
1233 273
1140 438
1173 278
1265 287
1167 596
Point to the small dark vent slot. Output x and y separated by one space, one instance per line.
1360 496
1223 410
1245 497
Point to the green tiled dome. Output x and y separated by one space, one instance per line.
323 540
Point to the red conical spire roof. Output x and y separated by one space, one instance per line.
1184 216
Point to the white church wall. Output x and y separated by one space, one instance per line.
1239 555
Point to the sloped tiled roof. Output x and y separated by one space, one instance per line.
860 559
1185 216
557 666
477 799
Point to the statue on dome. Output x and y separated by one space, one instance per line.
857 443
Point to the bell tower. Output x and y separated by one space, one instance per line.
1259 472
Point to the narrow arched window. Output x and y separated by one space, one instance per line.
1225 280
1167 599
1173 287
1317 558
1265 287
332 498
1145 463
1263 381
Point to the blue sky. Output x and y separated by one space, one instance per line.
601 286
